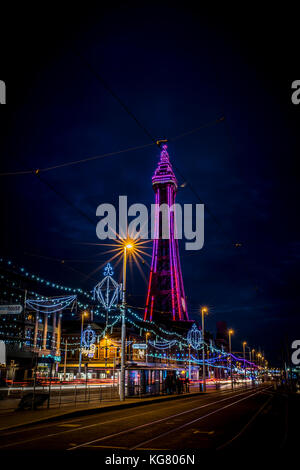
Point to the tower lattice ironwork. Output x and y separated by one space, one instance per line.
165 296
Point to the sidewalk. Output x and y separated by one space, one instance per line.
15 419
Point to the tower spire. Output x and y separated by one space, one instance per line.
165 296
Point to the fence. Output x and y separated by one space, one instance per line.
57 396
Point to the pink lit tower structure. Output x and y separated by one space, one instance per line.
165 296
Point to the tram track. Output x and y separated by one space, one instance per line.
115 421
188 398
245 395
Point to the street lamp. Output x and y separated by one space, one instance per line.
230 333
189 362
106 349
253 363
259 363
244 356
83 315
127 247
258 359
147 336
204 310
250 360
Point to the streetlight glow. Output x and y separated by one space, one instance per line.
204 310
83 315
244 356
230 333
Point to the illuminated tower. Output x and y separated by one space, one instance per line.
165 296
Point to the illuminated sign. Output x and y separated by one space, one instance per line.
10 309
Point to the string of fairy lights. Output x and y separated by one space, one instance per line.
96 311
164 341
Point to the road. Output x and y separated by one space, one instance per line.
216 421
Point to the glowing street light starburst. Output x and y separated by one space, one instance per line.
135 250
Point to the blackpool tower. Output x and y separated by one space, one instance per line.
165 295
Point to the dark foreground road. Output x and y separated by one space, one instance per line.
245 419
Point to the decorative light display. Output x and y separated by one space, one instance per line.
194 337
50 305
90 352
23 272
107 291
88 337
163 345
165 339
108 270
165 287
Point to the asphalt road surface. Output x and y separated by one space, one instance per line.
224 420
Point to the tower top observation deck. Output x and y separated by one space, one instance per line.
164 173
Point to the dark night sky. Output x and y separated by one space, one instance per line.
176 69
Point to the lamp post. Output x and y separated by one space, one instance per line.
258 356
230 333
106 349
147 336
203 312
189 362
244 356
65 358
250 359
258 359
83 315
127 247
253 362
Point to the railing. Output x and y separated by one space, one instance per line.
56 396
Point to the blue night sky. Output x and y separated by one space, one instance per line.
176 70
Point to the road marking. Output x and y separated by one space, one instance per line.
15 443
191 422
203 432
68 425
246 426
157 421
108 447
183 401
150 448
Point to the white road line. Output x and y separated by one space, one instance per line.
154 422
88 426
222 393
191 422
246 425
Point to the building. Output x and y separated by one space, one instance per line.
149 358
165 296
